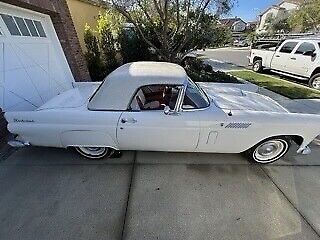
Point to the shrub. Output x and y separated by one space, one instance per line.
132 47
199 71
93 56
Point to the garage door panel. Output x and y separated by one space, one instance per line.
39 77
17 103
34 54
16 82
34 69
12 60
57 72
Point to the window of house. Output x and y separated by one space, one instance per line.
155 97
18 26
39 28
288 47
22 26
11 25
32 28
306 48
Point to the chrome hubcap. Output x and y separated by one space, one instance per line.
316 83
256 66
94 151
269 150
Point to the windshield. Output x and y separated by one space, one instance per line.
195 98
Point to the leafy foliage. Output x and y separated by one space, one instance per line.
307 17
201 72
93 56
171 27
278 24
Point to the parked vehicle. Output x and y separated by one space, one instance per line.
152 106
241 43
298 58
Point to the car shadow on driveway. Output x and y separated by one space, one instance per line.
56 194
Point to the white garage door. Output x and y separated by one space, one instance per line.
33 67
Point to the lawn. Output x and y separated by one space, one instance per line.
283 87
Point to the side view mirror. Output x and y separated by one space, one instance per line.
310 53
167 110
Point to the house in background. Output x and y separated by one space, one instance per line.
85 12
235 24
252 26
40 54
282 10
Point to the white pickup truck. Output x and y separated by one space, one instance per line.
298 58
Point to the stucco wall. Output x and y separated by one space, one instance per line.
83 13
263 19
239 26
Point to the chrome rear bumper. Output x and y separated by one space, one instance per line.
17 143
304 151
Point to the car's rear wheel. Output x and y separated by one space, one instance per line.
315 81
257 66
269 150
95 153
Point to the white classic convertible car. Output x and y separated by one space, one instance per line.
152 106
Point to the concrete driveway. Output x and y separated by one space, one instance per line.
55 194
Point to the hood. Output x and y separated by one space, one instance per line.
229 98
73 98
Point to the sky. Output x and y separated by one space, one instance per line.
248 10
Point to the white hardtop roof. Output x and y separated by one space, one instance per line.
118 88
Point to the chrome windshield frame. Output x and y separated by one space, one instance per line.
182 95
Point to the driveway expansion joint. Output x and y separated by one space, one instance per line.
290 202
129 194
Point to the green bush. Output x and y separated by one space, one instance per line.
198 71
132 47
95 63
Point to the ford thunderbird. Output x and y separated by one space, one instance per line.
151 106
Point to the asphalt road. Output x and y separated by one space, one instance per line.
236 56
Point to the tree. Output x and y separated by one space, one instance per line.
93 55
307 17
169 27
278 24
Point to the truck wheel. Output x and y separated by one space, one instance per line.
269 150
95 153
314 81
257 66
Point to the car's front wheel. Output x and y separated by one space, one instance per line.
315 81
257 66
95 153
269 150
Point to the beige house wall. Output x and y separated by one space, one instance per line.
84 12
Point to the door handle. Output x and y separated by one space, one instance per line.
277 56
130 120
293 58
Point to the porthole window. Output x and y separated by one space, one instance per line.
11 25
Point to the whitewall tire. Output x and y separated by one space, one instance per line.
95 153
269 150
